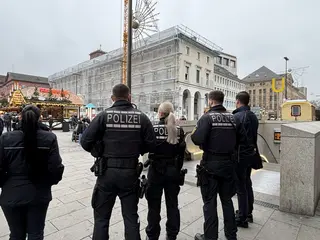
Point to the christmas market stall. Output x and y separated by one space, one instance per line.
56 104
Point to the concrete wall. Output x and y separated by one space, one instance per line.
300 167
266 145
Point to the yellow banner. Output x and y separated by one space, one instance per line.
274 89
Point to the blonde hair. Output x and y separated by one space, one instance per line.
166 110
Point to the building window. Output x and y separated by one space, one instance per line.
208 59
250 92
169 50
215 78
219 60
169 73
232 63
187 50
187 73
155 76
198 76
296 110
226 61
142 79
207 78
198 56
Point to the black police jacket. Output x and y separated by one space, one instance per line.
125 131
216 134
248 123
166 151
17 187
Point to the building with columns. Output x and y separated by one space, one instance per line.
176 65
259 86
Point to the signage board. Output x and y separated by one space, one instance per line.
277 135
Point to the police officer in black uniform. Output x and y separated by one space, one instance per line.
249 158
165 174
216 135
126 133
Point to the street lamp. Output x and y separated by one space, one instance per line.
286 79
129 63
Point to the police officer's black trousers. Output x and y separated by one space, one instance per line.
26 220
157 183
122 183
209 191
244 192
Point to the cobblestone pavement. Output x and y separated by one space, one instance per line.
70 214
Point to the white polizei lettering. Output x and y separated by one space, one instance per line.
123 118
116 118
109 117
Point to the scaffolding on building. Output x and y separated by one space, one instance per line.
155 71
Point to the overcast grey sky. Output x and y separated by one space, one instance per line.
42 37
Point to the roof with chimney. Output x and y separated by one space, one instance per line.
262 74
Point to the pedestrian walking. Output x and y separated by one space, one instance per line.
216 134
249 158
123 133
29 165
165 174
7 121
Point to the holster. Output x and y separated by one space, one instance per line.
139 168
202 176
99 166
143 186
182 176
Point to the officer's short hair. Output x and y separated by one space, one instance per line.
216 96
120 91
243 97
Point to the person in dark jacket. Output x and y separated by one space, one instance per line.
164 174
7 121
125 133
247 143
216 134
81 126
30 164
1 126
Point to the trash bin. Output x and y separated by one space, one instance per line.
65 127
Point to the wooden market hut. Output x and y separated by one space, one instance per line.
60 104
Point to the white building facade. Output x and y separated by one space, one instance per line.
176 65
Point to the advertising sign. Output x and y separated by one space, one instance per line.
274 89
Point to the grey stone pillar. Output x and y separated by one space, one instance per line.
300 167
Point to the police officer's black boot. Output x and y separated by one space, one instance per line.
199 237
241 223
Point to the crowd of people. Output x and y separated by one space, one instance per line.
30 164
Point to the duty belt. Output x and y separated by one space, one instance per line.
207 155
126 163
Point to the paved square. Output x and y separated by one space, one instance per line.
70 214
